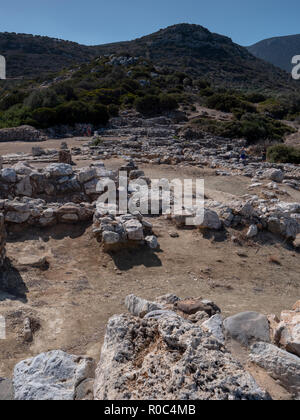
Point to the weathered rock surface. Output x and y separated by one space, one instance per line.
287 331
279 364
51 376
248 327
140 307
214 326
168 358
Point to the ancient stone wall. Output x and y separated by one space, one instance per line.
2 240
22 133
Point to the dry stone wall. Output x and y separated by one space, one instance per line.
22 133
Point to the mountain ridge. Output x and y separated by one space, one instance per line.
277 50
183 47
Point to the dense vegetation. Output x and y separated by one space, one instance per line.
251 127
95 91
281 153
91 93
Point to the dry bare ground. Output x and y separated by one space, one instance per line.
72 300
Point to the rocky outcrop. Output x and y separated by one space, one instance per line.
2 240
168 358
51 376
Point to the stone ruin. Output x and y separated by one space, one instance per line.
22 133
172 349
2 240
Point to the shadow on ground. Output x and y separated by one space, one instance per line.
57 232
129 258
12 286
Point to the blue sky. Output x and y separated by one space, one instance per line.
103 21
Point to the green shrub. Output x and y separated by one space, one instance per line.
274 108
70 113
148 105
251 127
227 103
167 102
153 104
280 153
44 117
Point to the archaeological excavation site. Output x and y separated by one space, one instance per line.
149 221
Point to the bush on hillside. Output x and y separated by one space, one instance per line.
70 113
154 104
251 127
280 153
227 102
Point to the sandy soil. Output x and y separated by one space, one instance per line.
72 300
83 287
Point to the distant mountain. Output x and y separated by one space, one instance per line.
188 48
278 51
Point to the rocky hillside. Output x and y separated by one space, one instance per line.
278 51
184 47
195 49
28 55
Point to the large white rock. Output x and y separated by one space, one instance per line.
134 230
86 174
210 220
274 174
51 376
214 326
280 364
289 329
59 170
168 358
248 327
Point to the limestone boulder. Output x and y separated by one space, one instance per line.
51 376
168 358
248 327
280 364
